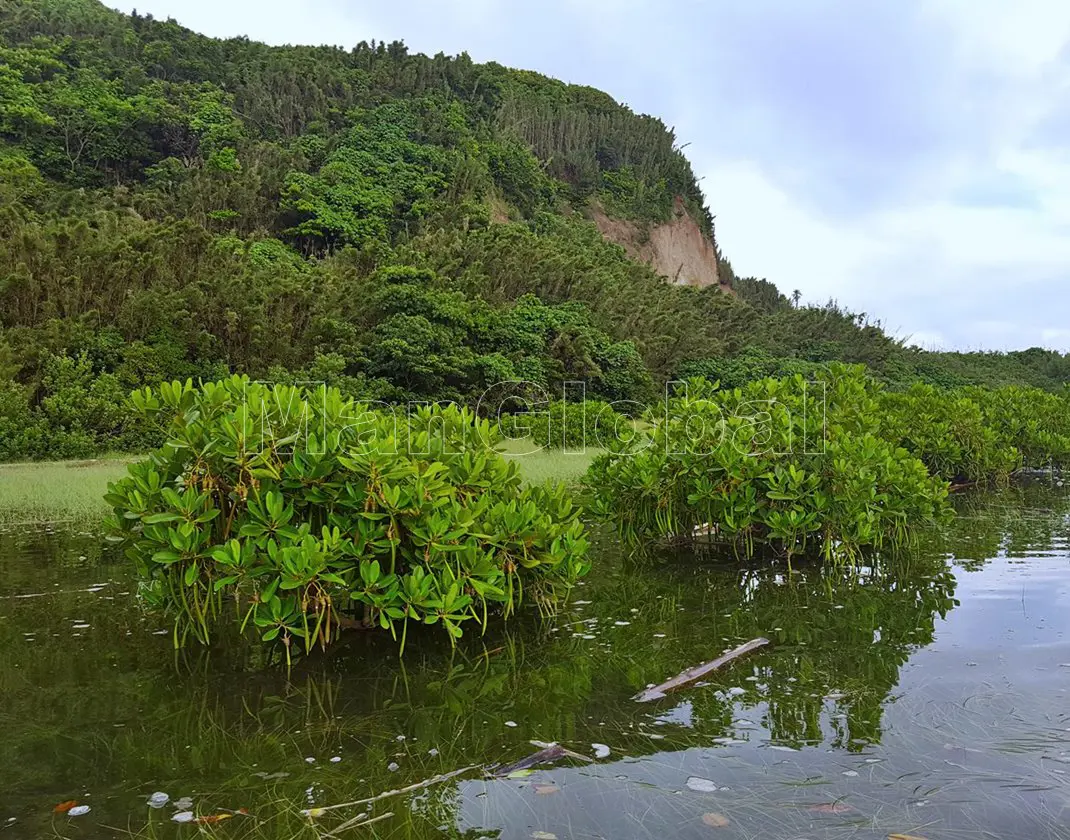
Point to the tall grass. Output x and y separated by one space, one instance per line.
58 491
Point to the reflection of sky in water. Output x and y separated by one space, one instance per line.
1011 609
984 712
976 739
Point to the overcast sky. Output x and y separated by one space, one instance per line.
910 159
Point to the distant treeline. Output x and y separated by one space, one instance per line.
400 226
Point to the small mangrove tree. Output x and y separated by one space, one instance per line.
312 512
800 466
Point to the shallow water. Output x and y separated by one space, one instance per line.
926 696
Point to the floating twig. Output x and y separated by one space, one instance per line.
386 794
547 755
692 674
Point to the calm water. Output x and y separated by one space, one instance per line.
927 696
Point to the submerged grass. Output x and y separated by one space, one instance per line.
58 491
73 491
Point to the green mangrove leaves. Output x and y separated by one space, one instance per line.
314 513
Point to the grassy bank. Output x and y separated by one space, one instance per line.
58 491
539 465
72 491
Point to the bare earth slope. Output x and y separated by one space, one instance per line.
677 249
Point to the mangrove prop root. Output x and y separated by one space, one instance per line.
692 674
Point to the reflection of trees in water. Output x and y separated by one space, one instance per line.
834 633
217 722
831 631
1031 515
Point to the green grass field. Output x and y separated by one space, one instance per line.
58 491
72 491
543 465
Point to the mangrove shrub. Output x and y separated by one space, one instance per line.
950 432
312 513
793 465
1035 422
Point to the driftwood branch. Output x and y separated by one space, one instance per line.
547 755
386 794
692 674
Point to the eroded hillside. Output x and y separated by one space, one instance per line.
677 249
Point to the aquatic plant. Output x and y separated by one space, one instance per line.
798 466
313 512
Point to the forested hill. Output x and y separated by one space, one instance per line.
403 226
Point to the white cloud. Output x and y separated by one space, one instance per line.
300 22
1018 37
821 255
978 255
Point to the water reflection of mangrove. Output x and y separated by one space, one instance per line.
1030 516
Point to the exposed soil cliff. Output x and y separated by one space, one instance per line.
677 249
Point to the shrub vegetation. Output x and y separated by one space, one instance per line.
587 424
397 225
830 465
312 512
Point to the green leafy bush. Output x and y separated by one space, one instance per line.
387 172
629 197
949 432
313 512
21 432
570 425
517 173
76 412
1035 422
978 433
775 463
751 364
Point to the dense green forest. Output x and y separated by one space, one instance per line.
399 226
